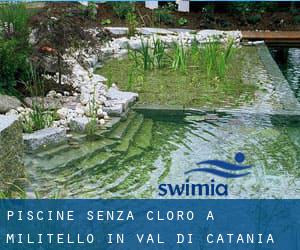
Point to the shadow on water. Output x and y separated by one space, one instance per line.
288 60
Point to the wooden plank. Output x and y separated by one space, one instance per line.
273 36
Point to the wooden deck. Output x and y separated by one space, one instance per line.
274 37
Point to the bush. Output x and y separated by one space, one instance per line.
254 19
164 15
14 45
297 19
13 64
122 9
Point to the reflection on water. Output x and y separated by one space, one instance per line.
288 60
154 150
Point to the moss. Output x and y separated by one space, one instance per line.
11 159
193 88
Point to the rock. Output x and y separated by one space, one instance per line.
159 31
12 112
51 93
115 110
102 121
44 137
62 113
11 152
78 124
135 44
47 102
117 30
121 97
7 103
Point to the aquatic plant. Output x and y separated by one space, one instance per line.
216 58
180 57
146 56
39 117
159 53
92 126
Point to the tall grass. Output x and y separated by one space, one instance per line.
159 53
39 117
179 58
216 58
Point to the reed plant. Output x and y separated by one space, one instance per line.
159 53
179 58
216 58
39 117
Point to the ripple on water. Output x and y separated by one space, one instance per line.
177 145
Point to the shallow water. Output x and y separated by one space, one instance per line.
156 150
288 60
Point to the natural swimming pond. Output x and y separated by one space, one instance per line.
147 149
142 152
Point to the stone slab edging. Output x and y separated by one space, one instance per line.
282 87
11 151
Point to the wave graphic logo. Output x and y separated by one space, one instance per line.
224 169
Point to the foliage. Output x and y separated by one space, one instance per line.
14 45
254 18
159 53
297 19
92 126
106 22
182 21
193 87
131 20
38 118
180 57
216 58
122 9
164 15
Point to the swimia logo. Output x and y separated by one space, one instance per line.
215 167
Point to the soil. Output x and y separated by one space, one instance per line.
221 18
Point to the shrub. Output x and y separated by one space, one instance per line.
122 9
297 19
14 45
254 19
182 21
164 15
132 23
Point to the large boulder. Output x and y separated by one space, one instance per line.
8 102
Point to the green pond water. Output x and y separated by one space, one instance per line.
138 154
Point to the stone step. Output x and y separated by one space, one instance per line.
144 136
51 152
72 157
132 153
128 138
122 128
91 164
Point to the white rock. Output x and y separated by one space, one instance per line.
66 93
12 112
62 113
20 109
102 121
51 93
